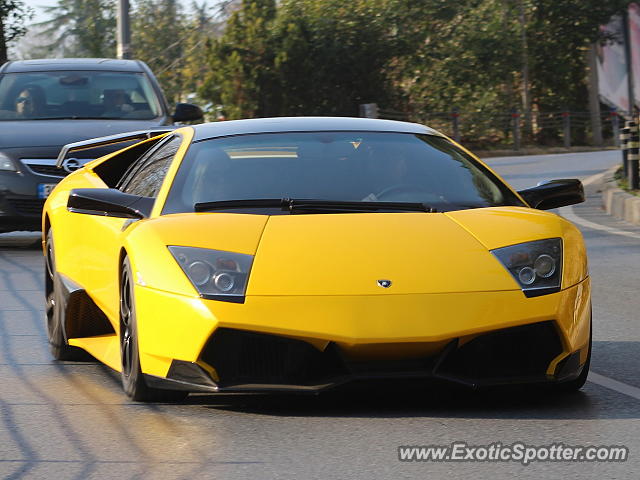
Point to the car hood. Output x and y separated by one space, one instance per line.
417 252
347 254
56 133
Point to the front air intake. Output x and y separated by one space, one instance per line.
241 357
507 354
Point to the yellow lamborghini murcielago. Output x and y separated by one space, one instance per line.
299 254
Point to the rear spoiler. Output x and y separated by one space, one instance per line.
108 140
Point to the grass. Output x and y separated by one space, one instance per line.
623 182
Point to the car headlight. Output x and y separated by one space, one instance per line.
536 266
215 274
6 163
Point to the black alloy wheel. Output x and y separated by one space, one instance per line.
133 381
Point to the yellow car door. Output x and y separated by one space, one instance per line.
101 237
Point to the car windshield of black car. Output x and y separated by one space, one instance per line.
77 95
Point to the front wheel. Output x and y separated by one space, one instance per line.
132 378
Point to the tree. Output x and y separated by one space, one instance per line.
464 56
561 34
201 26
471 56
334 55
13 15
158 37
420 58
241 63
302 57
81 28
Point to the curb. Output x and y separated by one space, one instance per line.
617 202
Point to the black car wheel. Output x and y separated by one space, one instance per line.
55 310
133 381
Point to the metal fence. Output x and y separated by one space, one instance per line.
515 129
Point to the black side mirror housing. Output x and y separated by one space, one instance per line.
187 112
109 202
554 194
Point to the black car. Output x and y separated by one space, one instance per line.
45 104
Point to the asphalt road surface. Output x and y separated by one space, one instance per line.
65 420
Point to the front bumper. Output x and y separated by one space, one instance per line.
20 213
315 343
20 206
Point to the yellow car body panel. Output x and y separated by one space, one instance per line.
345 254
105 348
88 247
180 325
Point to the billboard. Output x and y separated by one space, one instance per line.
612 65
634 41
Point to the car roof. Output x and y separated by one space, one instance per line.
306 124
65 64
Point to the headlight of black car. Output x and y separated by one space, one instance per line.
6 163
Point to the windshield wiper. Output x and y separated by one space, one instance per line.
299 205
230 204
307 205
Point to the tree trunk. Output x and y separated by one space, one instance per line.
594 101
526 92
3 43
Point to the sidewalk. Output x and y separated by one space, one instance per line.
617 202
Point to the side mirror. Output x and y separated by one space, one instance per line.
109 202
554 194
187 112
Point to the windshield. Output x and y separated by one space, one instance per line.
77 95
333 166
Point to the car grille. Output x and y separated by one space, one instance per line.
509 355
249 357
51 170
26 206
512 352
44 166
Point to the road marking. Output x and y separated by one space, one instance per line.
615 385
569 213
594 178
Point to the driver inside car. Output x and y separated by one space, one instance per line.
116 103
387 170
30 102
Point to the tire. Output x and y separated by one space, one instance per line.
55 310
576 384
133 381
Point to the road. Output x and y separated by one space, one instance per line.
66 420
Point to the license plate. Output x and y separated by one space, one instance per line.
44 189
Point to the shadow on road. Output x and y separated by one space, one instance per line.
439 402
20 240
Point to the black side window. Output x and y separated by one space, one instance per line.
145 179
